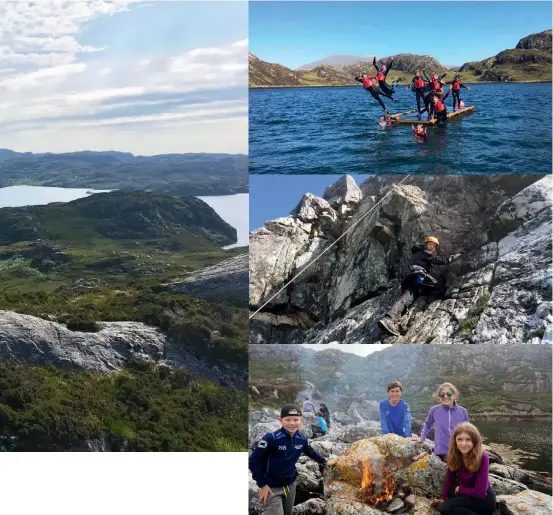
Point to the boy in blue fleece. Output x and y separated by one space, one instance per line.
395 414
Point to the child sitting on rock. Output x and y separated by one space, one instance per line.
468 467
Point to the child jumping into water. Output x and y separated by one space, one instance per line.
371 86
456 86
444 418
381 74
467 466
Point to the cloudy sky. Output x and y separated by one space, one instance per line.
143 77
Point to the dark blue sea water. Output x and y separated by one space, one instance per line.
335 130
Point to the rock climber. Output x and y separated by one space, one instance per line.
273 462
418 282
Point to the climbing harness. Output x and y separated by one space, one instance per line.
327 249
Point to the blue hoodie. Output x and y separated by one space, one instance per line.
395 419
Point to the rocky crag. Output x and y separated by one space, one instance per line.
498 290
34 341
375 474
228 278
520 384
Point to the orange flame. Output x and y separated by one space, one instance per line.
372 492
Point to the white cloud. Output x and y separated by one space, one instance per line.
51 100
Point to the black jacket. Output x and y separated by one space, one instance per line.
425 259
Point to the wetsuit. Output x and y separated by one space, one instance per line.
456 90
375 91
418 281
381 77
418 85
433 85
440 109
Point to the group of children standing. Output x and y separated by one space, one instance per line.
466 490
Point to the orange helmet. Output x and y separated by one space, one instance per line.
433 239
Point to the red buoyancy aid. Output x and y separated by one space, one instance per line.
435 85
380 76
456 85
419 83
439 106
367 82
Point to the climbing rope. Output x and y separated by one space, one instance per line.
327 249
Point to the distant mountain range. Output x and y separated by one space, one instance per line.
174 174
530 61
338 61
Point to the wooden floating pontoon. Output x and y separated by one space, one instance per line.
397 118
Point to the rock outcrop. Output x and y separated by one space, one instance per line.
40 342
498 290
226 279
375 474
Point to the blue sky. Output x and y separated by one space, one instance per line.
296 33
274 196
138 76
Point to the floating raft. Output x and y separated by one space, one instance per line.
397 118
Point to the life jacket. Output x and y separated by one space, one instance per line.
439 106
421 135
456 85
435 84
419 83
380 76
367 82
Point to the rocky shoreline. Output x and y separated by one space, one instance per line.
397 485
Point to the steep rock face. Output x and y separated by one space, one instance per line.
408 63
230 277
538 41
43 343
499 290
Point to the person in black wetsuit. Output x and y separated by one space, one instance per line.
381 74
456 86
438 105
418 282
418 85
435 83
370 85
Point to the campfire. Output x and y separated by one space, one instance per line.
375 490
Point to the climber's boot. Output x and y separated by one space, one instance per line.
388 325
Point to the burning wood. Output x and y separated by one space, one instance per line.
374 490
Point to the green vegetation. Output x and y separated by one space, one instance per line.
174 174
536 333
471 320
431 337
143 408
214 331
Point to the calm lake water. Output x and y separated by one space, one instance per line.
231 208
532 437
335 130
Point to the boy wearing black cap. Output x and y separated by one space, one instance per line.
273 462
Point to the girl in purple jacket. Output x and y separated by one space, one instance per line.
468 466
444 417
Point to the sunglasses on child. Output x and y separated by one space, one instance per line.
449 394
